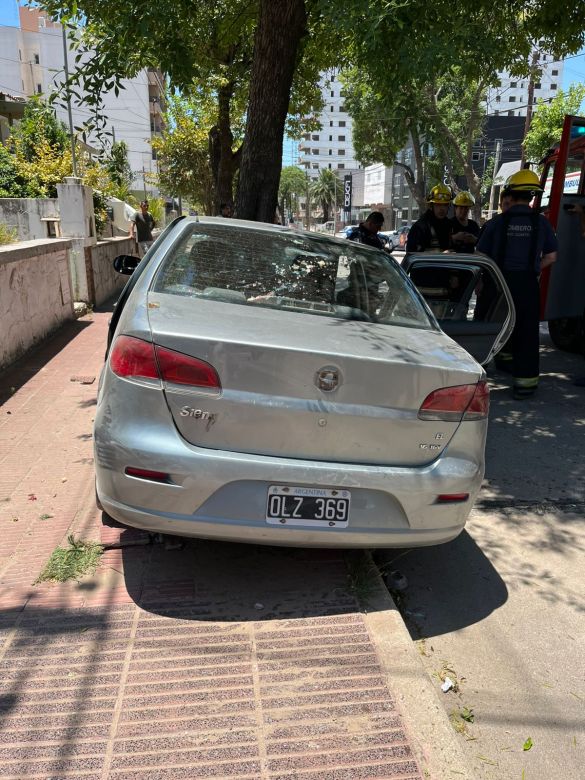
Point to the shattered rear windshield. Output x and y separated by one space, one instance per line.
289 271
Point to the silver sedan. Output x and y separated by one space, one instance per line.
273 386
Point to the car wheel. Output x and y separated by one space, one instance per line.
567 334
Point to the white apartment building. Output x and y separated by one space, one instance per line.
32 62
331 147
510 98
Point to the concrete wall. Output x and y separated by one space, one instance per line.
26 215
35 294
105 280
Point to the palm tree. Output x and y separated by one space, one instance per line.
327 190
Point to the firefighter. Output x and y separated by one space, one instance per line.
522 243
464 231
432 232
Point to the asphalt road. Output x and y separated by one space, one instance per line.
500 610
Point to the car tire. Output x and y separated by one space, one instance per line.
567 334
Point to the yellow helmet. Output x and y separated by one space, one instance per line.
440 194
464 198
523 181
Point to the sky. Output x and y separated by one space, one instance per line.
9 13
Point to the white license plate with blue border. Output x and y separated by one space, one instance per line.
309 507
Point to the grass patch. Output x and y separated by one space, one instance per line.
362 575
72 562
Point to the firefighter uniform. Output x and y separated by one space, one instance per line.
432 233
463 202
516 241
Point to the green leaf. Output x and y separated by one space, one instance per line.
528 744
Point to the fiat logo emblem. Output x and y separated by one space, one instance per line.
327 379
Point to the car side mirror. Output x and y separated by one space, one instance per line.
469 298
126 264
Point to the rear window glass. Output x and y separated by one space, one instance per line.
290 271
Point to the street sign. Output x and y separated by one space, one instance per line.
347 184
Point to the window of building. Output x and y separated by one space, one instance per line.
330 152
330 124
343 109
512 98
314 138
332 108
496 113
537 86
475 156
316 166
37 60
331 138
553 86
341 166
341 152
510 113
554 72
332 93
341 138
307 136
513 84
314 151
498 98
329 166
342 123
154 154
19 55
39 88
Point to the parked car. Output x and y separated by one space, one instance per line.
269 386
396 239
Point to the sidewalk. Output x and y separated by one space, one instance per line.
209 661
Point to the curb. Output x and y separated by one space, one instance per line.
438 751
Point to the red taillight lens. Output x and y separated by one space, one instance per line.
153 476
131 357
452 498
452 404
135 358
185 370
479 407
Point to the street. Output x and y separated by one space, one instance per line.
500 609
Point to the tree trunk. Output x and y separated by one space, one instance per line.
281 25
224 162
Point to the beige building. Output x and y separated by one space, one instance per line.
33 64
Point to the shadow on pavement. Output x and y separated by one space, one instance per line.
535 447
23 370
450 587
219 581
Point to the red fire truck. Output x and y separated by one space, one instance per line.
563 284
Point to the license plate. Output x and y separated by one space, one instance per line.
314 507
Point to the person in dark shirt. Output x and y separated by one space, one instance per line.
141 228
432 232
367 231
487 291
464 231
522 243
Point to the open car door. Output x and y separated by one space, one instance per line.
469 298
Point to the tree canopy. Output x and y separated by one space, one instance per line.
547 121
261 59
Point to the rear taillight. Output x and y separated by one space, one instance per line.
134 358
461 402
183 369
